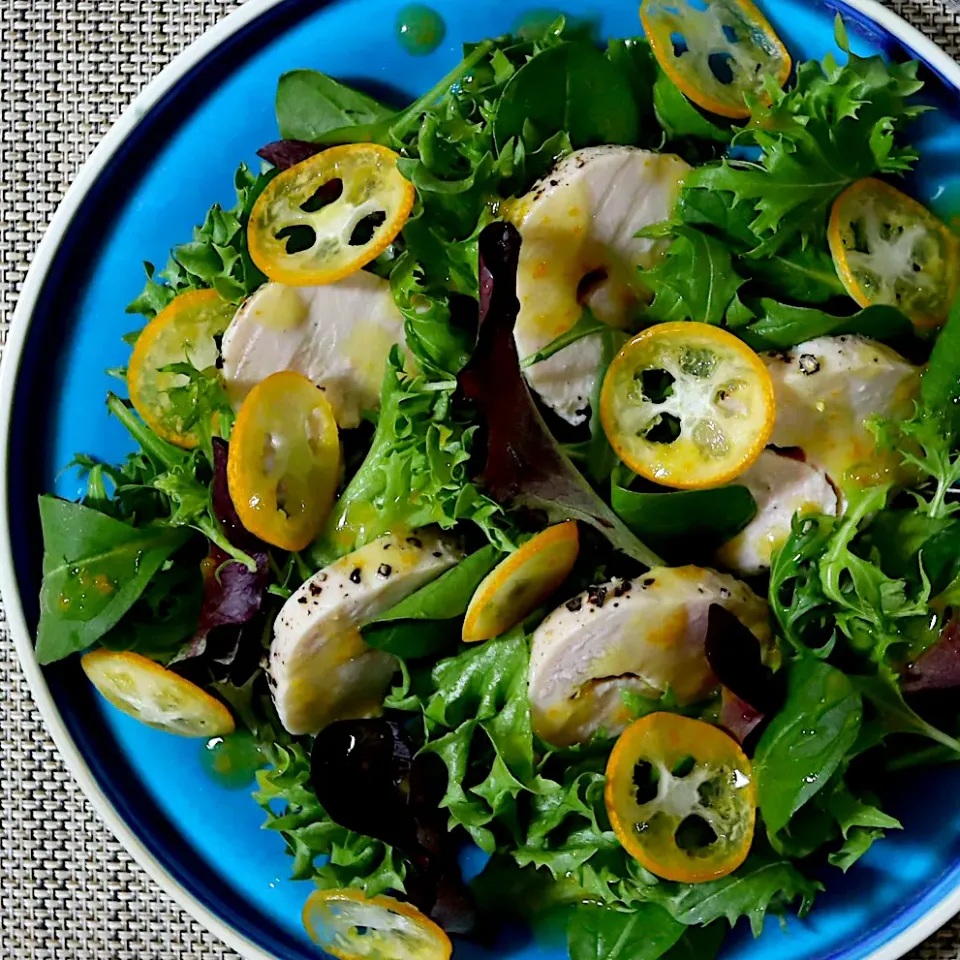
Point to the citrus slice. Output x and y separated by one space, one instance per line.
283 467
185 331
681 798
718 52
349 925
156 696
330 215
890 249
519 584
687 405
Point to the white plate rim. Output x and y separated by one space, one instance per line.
33 284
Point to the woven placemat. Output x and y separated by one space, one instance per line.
68 891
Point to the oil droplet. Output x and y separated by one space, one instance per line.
233 761
534 23
420 29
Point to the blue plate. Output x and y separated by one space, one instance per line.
153 179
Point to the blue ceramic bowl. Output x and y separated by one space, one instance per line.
155 175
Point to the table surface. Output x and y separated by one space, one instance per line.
68 890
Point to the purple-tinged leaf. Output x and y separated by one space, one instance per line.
525 467
737 717
284 154
736 658
232 593
939 667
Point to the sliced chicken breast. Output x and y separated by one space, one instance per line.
320 669
579 227
338 335
783 487
645 636
827 390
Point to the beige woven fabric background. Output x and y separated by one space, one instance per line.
68 891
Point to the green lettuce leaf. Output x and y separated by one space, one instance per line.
414 474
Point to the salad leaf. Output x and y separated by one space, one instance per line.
586 326
699 943
602 933
94 569
670 522
217 256
292 809
182 478
525 467
939 667
430 619
165 615
696 281
573 88
284 154
414 474
680 118
761 885
311 104
836 125
940 387
806 741
779 326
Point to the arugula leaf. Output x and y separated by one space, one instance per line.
586 326
779 326
430 619
571 87
94 569
761 885
696 281
893 713
802 272
602 933
311 104
670 522
806 741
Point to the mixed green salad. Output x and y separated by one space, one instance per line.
562 465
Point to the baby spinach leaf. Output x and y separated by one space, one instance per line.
571 87
94 570
164 617
603 933
634 60
780 326
940 388
431 618
806 741
696 281
311 104
679 117
704 519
